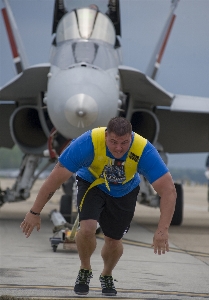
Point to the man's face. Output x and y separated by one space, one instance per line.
117 145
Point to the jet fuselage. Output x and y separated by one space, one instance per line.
83 82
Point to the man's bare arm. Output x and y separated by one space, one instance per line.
165 188
56 178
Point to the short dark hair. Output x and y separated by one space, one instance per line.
120 126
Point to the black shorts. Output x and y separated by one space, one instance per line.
114 214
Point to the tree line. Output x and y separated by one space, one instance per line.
11 159
189 176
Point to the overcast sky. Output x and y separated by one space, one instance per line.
185 65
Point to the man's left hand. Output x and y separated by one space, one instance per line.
160 242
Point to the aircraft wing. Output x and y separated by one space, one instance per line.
184 125
143 89
183 119
27 84
191 104
25 87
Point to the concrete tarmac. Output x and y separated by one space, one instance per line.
29 268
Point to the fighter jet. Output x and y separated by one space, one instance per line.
84 85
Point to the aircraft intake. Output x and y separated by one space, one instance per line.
145 123
27 131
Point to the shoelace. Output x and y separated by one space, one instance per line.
84 278
107 282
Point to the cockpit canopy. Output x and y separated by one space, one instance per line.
85 23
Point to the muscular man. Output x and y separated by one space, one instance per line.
107 163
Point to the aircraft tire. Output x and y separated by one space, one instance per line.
178 213
66 207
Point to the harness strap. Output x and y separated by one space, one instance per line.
93 184
100 159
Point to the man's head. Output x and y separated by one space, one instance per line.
120 126
118 136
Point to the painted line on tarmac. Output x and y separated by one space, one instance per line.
71 298
123 291
146 245
67 298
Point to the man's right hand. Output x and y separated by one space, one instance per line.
29 223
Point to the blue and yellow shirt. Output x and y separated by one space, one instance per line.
79 158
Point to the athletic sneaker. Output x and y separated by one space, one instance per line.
108 288
82 282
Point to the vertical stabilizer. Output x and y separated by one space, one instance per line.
114 14
19 56
59 12
161 45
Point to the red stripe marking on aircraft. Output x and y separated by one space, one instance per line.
10 33
166 39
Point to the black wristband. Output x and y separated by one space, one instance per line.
34 213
